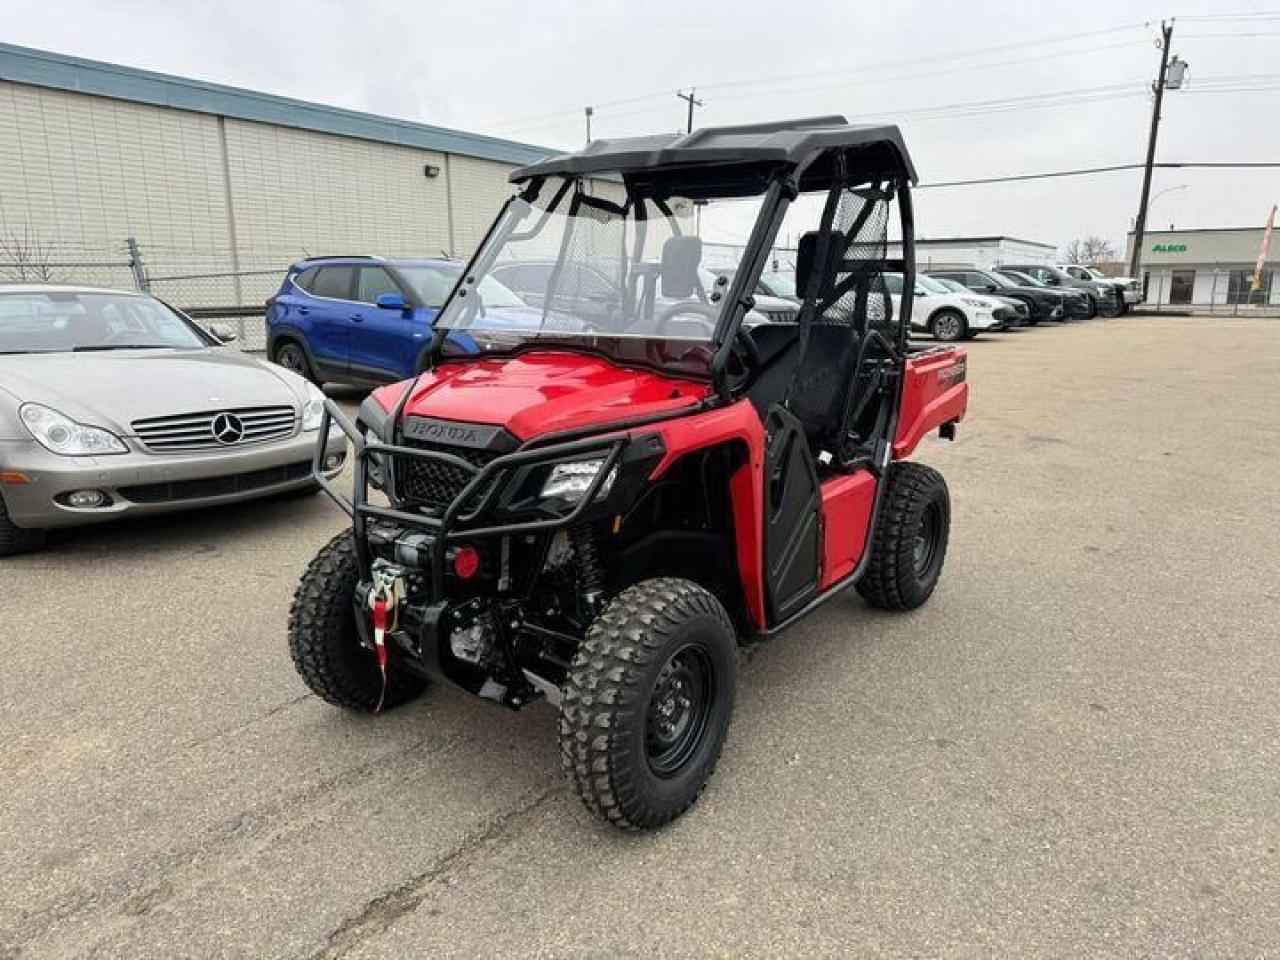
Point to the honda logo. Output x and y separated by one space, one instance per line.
227 428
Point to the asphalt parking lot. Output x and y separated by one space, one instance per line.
1073 749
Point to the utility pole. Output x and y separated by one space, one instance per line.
693 102
588 111
1140 223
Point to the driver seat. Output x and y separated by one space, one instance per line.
819 387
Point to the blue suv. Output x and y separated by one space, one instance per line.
363 320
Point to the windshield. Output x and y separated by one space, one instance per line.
932 286
1024 279
64 322
997 279
1095 274
952 285
588 268
779 284
432 284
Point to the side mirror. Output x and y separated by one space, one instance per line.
921 293
986 288
391 301
222 333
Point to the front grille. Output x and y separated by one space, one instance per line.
781 316
195 431
216 486
434 484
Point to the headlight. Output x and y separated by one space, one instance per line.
61 434
973 303
375 469
569 481
313 409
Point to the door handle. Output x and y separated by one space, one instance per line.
304 310
356 318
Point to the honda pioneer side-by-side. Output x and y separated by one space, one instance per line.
596 495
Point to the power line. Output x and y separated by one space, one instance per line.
863 79
936 58
520 122
1088 171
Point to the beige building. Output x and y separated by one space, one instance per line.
218 189
1206 267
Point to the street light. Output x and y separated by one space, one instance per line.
1158 194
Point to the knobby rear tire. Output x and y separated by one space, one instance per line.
895 579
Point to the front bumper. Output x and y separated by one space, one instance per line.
139 483
1133 295
1078 307
985 320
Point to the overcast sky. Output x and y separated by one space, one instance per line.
524 71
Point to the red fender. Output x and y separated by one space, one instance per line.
738 422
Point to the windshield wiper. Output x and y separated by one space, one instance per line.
119 346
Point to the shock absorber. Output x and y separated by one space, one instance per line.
590 574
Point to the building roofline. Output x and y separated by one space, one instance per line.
994 239
1258 229
58 71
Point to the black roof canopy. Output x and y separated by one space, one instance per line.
744 152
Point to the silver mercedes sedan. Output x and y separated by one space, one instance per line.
113 404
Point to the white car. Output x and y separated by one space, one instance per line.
946 315
1129 288
1012 312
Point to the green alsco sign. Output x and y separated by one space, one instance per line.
1169 248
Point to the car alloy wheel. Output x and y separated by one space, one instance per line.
290 357
948 326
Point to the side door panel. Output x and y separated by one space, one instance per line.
792 528
328 312
384 343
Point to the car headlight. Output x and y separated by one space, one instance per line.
569 481
58 433
973 303
313 409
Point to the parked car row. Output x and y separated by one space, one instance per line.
213 425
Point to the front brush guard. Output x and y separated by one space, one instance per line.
455 522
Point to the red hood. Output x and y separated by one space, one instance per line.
543 392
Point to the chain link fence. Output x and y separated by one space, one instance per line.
211 286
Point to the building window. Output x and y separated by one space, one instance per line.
1239 283
1182 286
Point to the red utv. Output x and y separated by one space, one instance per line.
597 495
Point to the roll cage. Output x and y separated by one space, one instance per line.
778 161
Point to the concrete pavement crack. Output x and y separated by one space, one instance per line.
382 911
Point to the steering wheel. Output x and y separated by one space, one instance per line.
744 349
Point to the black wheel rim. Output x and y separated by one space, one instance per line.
291 359
927 536
679 710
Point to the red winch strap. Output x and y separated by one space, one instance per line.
380 647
